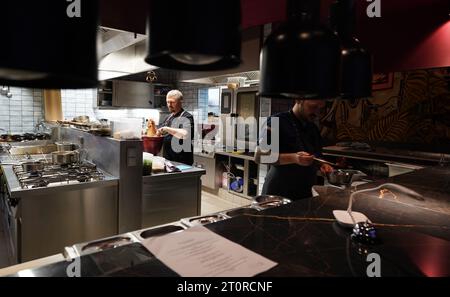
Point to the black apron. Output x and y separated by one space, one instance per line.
294 181
168 153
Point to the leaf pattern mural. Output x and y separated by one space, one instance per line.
415 110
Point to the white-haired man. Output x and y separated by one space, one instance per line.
178 131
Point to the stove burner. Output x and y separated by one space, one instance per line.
51 174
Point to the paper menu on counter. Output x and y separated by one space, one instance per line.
199 252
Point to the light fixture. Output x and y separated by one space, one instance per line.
349 218
300 59
196 35
356 61
6 91
49 44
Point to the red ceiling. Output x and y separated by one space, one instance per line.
410 34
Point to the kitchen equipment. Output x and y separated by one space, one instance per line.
65 146
326 162
81 119
53 209
100 131
32 166
127 129
152 145
64 158
269 201
248 210
240 113
343 177
32 149
57 174
203 220
159 231
104 244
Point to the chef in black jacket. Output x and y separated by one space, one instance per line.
295 171
178 131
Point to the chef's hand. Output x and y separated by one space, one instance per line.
161 131
304 159
326 168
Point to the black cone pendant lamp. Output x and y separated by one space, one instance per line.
356 61
197 35
301 58
49 44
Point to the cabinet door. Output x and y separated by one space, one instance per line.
132 94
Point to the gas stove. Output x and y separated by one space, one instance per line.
58 175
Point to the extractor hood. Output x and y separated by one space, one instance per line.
250 77
122 53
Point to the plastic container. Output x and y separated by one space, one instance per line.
130 129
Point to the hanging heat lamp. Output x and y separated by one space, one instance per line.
196 35
356 61
301 58
49 44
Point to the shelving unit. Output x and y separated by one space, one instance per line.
244 167
105 95
121 93
159 92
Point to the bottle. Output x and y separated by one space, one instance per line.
151 128
225 180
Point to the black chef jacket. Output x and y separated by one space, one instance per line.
293 181
176 121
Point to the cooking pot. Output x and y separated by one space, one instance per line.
33 166
268 201
65 146
64 158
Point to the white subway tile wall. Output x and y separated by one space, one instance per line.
78 102
195 99
22 112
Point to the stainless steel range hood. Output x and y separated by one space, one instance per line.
122 53
251 77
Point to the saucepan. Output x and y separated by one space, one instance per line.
64 158
65 146
33 166
344 177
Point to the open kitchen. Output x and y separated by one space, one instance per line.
233 138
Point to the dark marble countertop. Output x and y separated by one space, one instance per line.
384 154
305 240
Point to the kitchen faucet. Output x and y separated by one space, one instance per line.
38 126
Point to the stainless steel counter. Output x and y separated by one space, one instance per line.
16 190
169 197
43 221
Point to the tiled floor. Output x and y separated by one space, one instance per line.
212 203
